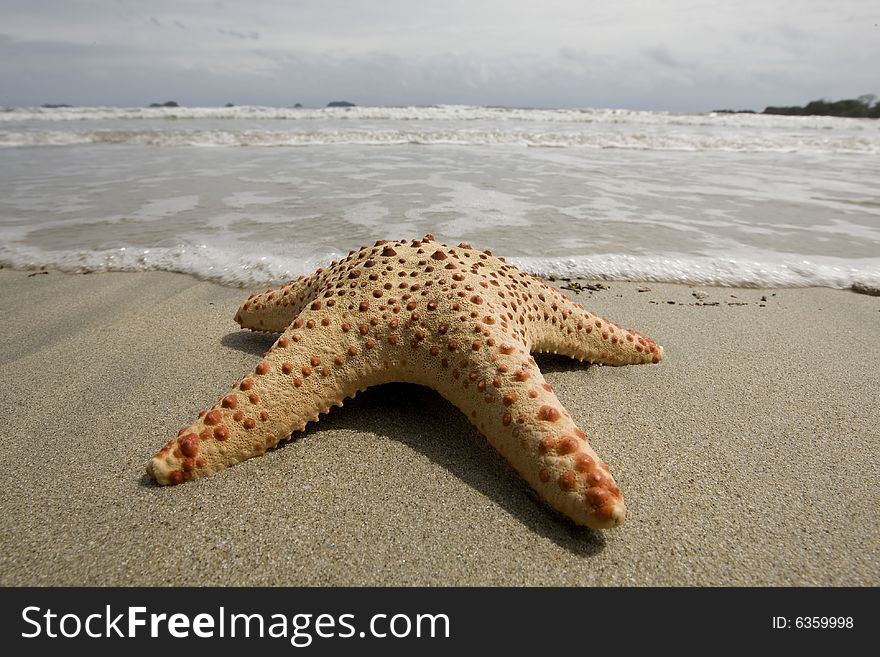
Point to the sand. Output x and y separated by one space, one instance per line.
750 456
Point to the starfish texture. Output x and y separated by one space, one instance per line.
452 318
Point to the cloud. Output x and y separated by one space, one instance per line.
642 54
662 55
252 35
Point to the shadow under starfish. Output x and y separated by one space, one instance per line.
458 450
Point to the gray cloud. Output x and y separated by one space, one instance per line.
662 55
638 54
252 35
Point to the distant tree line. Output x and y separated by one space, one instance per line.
863 107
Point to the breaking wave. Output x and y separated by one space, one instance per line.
436 125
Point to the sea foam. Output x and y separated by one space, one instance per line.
249 269
435 125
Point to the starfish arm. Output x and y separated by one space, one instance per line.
565 327
274 310
498 386
310 368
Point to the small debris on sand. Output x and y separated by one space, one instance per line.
863 288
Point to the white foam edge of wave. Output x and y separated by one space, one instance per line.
252 269
746 142
233 268
441 112
777 270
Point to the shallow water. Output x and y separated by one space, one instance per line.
257 195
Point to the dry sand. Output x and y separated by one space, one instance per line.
748 457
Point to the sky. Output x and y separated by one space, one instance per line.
676 55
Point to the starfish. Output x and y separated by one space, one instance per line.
452 318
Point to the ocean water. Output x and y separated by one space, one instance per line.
253 195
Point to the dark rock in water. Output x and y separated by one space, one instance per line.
298 105
340 103
55 106
169 103
229 105
863 288
733 111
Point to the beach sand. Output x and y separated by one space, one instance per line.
749 456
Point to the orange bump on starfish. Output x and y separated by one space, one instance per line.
417 306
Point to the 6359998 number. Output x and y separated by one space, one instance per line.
823 622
